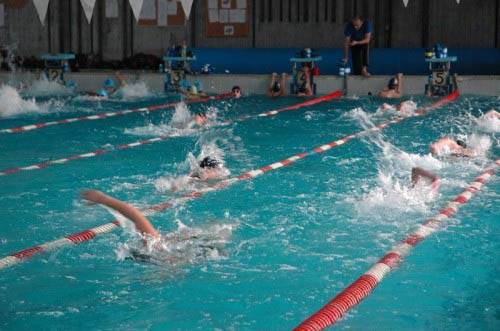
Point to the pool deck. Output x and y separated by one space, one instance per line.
257 84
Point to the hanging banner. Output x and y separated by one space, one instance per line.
136 8
41 7
405 2
187 5
88 8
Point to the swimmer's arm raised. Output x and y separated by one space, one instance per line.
418 173
142 224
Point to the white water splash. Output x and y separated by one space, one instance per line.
488 123
181 124
185 245
44 87
187 182
12 104
134 91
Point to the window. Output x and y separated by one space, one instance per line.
270 11
281 10
333 18
262 11
306 10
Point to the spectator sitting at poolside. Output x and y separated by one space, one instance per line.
303 81
447 146
236 92
419 174
394 88
277 88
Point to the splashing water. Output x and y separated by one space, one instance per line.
134 91
394 190
187 182
12 104
185 245
44 87
181 124
488 123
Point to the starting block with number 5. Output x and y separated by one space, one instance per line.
440 82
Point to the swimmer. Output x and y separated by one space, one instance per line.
236 92
449 146
200 119
492 114
277 88
303 80
192 92
209 168
419 174
110 87
161 248
142 224
394 88
407 107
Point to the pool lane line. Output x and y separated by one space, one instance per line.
101 151
86 235
364 285
101 116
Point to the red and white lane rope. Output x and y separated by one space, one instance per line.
364 285
101 116
86 155
89 234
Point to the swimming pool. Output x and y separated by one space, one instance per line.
289 239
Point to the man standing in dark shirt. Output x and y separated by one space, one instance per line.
357 34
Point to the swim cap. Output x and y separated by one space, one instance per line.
236 87
102 93
461 143
393 83
209 162
109 83
194 89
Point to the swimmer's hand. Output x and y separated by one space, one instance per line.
93 196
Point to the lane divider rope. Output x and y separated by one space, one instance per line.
89 234
364 285
101 116
102 151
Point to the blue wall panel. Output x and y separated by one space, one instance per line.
383 61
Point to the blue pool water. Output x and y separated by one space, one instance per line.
289 240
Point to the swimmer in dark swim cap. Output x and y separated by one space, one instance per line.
209 168
394 88
236 92
448 146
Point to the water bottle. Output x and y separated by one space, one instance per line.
445 52
161 68
65 67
